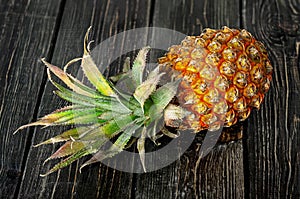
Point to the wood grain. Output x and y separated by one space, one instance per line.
273 136
26 33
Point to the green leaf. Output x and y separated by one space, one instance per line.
154 128
126 65
139 66
154 73
106 103
125 72
119 77
71 116
115 148
71 134
110 128
163 95
144 90
69 148
67 161
92 73
108 115
66 116
166 132
141 147
64 77
95 77
89 148
92 93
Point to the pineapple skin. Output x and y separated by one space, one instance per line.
226 73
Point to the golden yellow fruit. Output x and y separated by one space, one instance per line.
226 74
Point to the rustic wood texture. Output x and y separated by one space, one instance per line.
265 164
273 131
26 33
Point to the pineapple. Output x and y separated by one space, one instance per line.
227 73
213 80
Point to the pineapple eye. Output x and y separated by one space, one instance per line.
200 42
245 35
265 85
243 63
227 68
229 54
240 105
260 46
255 101
240 79
230 117
200 108
244 115
212 96
256 74
250 90
232 94
236 44
213 59
207 73
198 53
214 46
221 108
209 118
268 67
253 53
222 37
208 33
221 83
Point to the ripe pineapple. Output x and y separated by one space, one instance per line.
227 73
214 80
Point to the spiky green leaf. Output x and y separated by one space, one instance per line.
111 128
139 66
115 148
125 72
67 161
71 134
141 147
64 77
92 73
105 103
163 95
144 90
166 132
69 148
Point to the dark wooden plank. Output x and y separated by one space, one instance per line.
220 174
96 181
26 33
273 136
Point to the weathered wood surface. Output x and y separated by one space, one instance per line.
265 164
273 143
27 32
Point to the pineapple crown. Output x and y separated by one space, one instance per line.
99 115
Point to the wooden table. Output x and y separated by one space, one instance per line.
265 164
